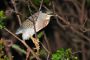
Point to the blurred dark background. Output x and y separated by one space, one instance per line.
71 29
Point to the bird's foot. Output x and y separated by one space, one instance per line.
36 42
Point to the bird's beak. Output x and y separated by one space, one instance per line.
50 13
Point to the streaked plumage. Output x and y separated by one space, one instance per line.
27 27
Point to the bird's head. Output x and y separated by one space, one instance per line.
45 15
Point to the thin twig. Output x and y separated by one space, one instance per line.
14 5
36 18
33 17
48 45
83 50
33 20
73 29
7 49
27 54
82 12
35 41
77 52
40 5
45 48
76 4
33 5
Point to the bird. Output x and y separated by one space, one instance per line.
41 20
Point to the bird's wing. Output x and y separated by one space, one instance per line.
41 24
29 22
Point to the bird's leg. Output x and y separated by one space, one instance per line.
36 42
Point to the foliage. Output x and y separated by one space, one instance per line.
63 54
40 34
2 18
3 56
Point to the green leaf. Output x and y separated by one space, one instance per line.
2 16
1 13
2 19
63 54
40 34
